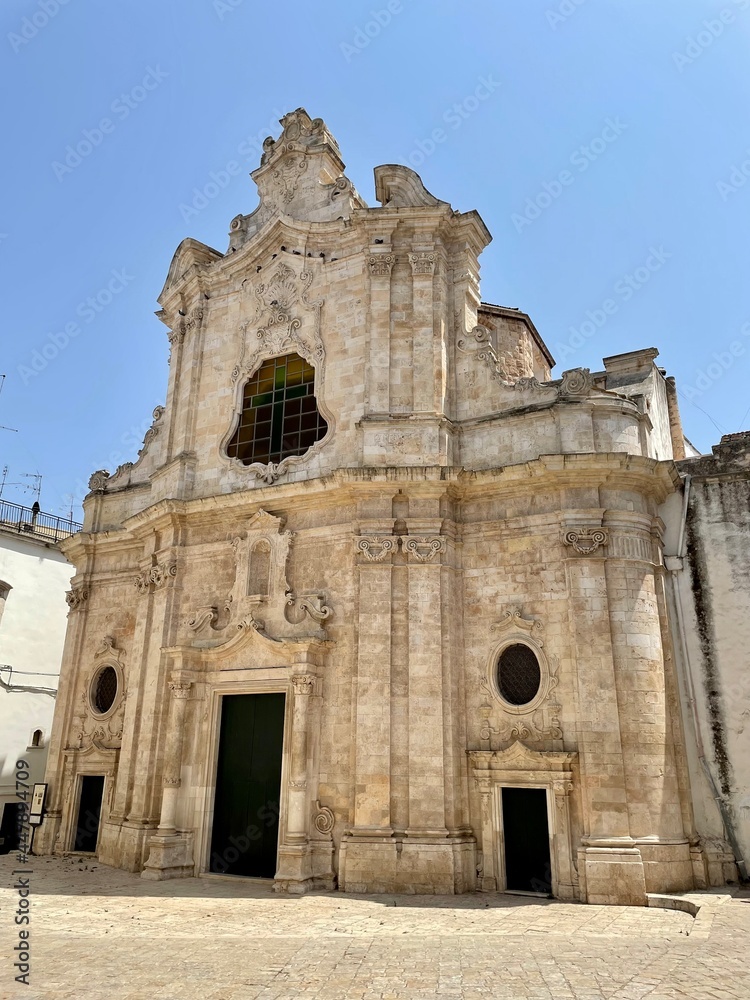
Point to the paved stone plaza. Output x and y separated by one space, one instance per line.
98 932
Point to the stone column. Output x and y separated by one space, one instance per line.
566 887
173 755
303 686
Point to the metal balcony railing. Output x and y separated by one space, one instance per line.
37 524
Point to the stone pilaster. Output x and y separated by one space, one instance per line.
610 865
423 374
170 850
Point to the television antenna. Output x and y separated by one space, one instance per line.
2 426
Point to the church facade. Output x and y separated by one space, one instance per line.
381 605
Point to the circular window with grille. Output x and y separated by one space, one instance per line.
104 690
519 676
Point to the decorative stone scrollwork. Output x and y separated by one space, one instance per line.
585 541
180 689
323 819
155 577
311 605
375 549
422 548
422 262
513 618
521 384
576 382
249 622
381 263
77 598
98 481
107 646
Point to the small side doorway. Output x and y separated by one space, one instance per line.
244 838
89 813
526 835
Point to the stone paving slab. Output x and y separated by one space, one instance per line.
98 932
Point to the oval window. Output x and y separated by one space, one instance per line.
518 675
105 690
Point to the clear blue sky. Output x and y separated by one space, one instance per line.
604 149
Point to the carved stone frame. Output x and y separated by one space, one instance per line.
517 630
522 767
89 762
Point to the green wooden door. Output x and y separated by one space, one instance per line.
245 831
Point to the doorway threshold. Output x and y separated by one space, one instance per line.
237 878
527 892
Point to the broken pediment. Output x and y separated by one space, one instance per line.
301 174
397 186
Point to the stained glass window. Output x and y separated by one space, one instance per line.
280 416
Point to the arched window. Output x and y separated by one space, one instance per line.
519 676
260 568
37 739
280 416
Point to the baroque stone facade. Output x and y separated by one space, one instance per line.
454 511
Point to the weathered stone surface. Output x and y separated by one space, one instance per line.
459 503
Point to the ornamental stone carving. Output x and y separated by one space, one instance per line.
303 684
585 541
77 598
375 549
98 481
381 263
311 605
423 549
422 262
513 619
576 382
323 819
155 577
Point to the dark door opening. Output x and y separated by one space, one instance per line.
89 812
526 832
244 839
11 827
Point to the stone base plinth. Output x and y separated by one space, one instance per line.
304 867
667 865
406 865
170 856
612 875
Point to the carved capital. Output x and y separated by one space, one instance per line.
77 598
381 263
374 548
155 577
422 548
585 541
422 262
303 684
180 689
